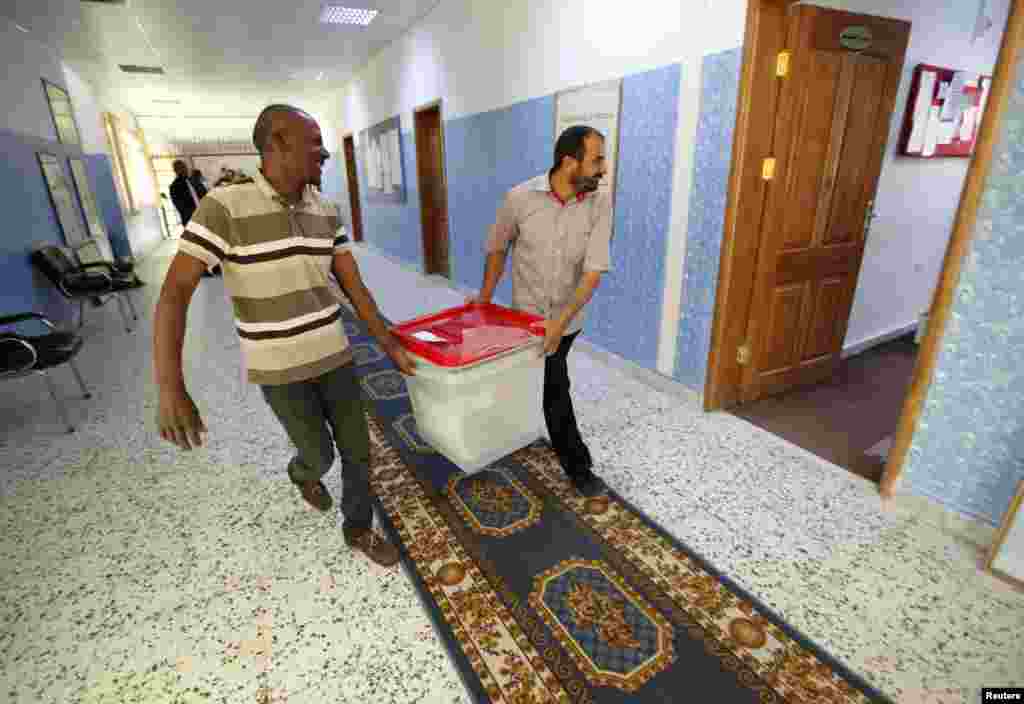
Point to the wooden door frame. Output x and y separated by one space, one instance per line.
355 167
764 38
439 105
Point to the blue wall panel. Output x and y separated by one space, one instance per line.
720 76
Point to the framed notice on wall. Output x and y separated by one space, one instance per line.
597 105
63 200
99 245
1006 558
62 113
944 110
381 148
85 195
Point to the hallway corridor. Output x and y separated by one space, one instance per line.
134 572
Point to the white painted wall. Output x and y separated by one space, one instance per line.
917 198
484 56
530 48
25 63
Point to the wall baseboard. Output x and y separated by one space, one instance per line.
651 378
867 343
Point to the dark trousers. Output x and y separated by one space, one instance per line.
558 413
310 411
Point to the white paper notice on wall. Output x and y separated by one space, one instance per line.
985 83
947 130
921 107
596 106
956 99
931 137
967 126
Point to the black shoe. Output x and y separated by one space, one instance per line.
587 483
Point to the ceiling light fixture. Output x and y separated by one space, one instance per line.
21 28
334 14
132 68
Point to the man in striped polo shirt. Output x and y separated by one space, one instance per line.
279 243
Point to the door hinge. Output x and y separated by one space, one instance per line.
768 168
743 355
782 64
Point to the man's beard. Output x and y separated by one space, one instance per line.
585 184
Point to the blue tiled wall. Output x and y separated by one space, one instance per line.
30 219
395 228
968 451
486 155
720 75
625 315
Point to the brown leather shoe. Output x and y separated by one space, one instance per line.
375 546
315 494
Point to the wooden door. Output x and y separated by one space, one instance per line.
831 127
353 189
433 190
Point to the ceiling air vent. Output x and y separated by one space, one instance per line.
129 68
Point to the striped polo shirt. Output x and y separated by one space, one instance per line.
277 261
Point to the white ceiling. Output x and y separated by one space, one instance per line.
224 60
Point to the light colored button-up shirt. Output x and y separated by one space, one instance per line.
553 244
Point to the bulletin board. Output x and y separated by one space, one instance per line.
63 200
944 110
597 105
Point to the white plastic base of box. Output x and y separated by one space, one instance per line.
472 465
476 415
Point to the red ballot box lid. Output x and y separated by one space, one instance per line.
459 337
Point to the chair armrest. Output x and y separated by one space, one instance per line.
67 283
22 345
97 265
23 317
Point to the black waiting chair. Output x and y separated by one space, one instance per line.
97 281
34 355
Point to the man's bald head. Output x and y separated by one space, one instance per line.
277 120
291 148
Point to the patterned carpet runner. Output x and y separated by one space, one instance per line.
542 595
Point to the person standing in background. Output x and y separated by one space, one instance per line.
185 193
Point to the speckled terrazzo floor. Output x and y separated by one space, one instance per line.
136 573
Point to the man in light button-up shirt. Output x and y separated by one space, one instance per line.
559 228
